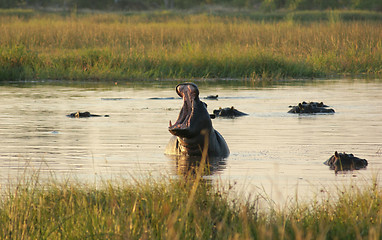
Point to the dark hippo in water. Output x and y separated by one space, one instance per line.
311 107
345 162
84 115
193 127
212 97
228 112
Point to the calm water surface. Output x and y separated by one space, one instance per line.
272 152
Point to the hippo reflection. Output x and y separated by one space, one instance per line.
311 107
193 126
345 162
188 165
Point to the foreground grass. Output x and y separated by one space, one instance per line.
180 209
115 46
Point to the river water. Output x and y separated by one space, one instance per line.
273 152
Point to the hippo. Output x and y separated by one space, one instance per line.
345 162
193 127
84 115
228 112
212 97
311 107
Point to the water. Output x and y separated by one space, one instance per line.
273 152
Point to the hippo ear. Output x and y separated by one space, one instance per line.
336 154
232 108
300 105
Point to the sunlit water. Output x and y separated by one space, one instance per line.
273 152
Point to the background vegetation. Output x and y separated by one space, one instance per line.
173 44
266 5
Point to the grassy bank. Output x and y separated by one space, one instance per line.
155 45
180 209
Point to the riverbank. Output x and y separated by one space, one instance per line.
180 208
114 46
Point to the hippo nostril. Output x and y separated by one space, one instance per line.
178 91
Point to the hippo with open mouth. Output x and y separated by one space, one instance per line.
193 126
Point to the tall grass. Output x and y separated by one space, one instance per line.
182 208
113 46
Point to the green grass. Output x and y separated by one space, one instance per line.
180 208
179 45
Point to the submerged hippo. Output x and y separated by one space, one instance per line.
193 126
345 162
228 112
311 107
84 115
212 97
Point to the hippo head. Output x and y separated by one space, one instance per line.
193 117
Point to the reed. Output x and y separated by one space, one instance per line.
115 46
180 208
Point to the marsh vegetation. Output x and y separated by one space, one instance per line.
162 45
265 5
180 208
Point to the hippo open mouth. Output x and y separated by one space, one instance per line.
193 127
188 123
